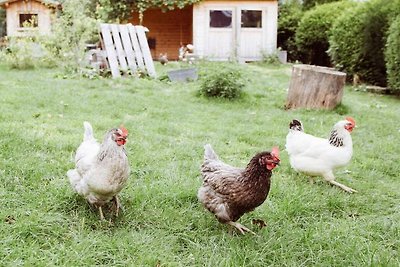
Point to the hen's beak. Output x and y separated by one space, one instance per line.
349 127
121 140
276 160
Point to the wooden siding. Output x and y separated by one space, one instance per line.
246 44
169 29
13 9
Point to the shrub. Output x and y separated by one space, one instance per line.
272 59
308 4
359 37
392 55
222 81
72 30
25 53
18 54
345 41
312 36
289 16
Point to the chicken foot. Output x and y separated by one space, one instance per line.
101 213
342 186
331 179
117 205
240 227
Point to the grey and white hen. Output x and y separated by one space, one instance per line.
101 170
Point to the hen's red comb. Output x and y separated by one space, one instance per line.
350 119
124 130
275 151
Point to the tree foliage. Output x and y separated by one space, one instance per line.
71 31
345 42
121 10
309 4
358 39
312 36
392 55
289 16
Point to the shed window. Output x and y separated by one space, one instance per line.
220 18
251 19
28 20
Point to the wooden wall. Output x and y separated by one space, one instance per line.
27 7
169 30
244 44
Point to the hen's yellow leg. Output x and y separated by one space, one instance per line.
240 227
342 186
101 213
117 205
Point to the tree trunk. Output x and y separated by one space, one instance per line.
315 87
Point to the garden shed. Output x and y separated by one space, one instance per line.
219 30
27 16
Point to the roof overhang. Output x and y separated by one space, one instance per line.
51 3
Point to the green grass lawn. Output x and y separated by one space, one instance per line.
44 223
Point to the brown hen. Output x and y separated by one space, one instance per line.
229 192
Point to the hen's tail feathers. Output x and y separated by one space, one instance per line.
88 134
296 125
77 183
209 152
74 178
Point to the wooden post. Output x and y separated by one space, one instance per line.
315 87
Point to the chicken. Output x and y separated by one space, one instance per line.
101 169
186 53
316 156
163 58
229 192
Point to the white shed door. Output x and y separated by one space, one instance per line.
244 30
251 34
220 38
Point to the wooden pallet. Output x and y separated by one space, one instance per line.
126 49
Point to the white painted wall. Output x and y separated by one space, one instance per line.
245 44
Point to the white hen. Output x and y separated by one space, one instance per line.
101 169
318 156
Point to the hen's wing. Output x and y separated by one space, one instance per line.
224 182
297 142
221 185
320 158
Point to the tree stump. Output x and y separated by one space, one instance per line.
315 87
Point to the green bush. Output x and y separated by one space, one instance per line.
18 54
345 42
312 36
222 81
309 4
289 16
272 59
358 40
26 53
392 55
71 31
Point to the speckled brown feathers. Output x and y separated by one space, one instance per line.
229 192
